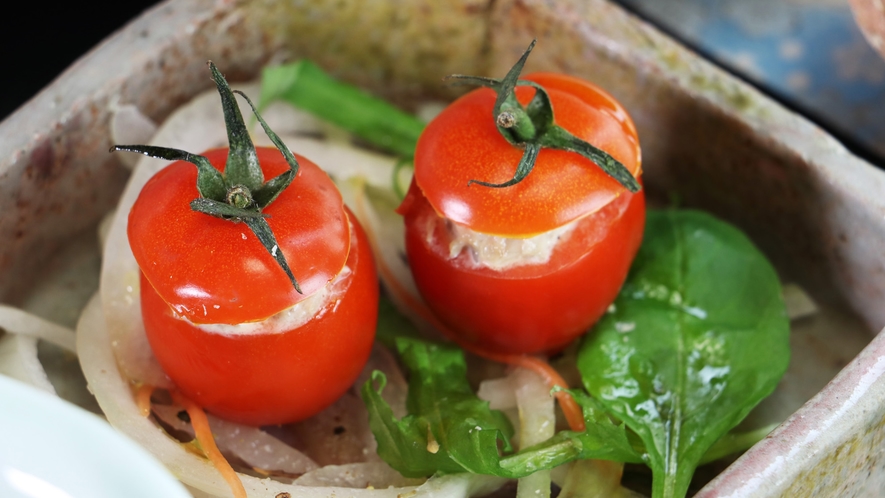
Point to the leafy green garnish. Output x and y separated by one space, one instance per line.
696 338
449 429
303 84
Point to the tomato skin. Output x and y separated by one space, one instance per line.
532 308
199 269
216 271
538 307
277 377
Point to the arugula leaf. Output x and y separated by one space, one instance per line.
696 338
449 429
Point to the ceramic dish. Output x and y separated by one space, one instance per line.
708 139
52 448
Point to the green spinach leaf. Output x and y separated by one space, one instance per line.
449 429
696 338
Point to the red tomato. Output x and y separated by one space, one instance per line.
197 269
538 307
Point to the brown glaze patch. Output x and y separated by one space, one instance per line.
42 165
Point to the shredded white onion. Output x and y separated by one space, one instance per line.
595 479
498 392
457 486
253 446
18 346
377 475
375 210
18 359
537 424
17 321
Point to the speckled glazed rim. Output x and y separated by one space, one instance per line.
815 209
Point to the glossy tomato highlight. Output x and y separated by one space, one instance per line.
533 307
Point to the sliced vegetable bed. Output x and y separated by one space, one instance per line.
697 336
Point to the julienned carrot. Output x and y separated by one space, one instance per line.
572 411
204 436
143 399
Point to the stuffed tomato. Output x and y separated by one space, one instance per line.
524 265
259 299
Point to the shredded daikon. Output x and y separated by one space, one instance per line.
537 423
595 479
16 321
377 475
18 359
498 392
18 346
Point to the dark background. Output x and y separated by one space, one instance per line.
39 40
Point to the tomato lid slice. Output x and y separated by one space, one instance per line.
214 271
463 144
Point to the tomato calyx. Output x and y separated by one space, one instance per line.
239 194
533 127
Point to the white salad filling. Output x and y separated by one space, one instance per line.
314 306
501 253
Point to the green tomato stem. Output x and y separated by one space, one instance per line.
533 127
240 192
